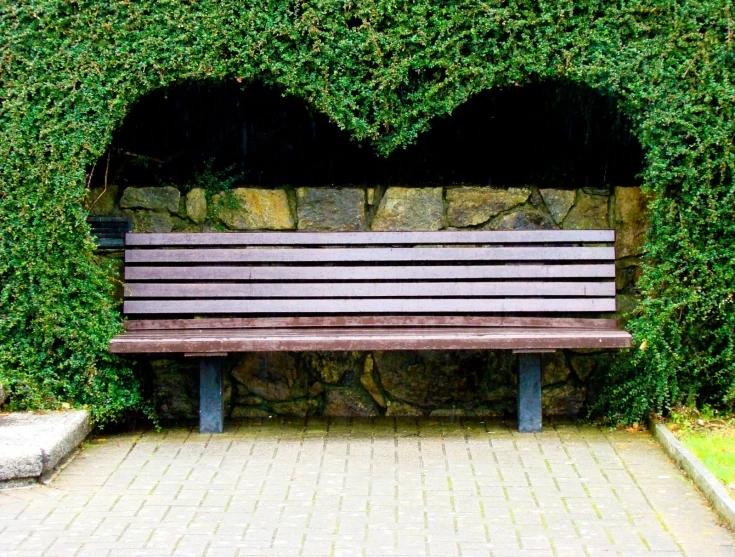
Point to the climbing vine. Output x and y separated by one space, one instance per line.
70 71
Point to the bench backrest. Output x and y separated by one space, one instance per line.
281 274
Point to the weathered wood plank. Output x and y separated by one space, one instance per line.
309 255
437 272
369 290
244 340
369 238
380 305
370 321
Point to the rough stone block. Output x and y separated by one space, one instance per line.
631 221
271 375
626 305
349 402
398 408
302 407
583 366
331 367
368 381
563 399
554 368
3 395
473 205
176 388
164 198
151 221
254 209
101 201
429 378
589 212
502 393
523 218
331 209
196 205
410 209
558 202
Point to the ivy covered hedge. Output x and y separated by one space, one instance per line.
70 70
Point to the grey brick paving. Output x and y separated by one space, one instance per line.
365 488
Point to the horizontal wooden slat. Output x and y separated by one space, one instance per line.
243 340
371 272
387 321
308 255
366 290
382 305
370 238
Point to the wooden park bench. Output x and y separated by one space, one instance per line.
526 291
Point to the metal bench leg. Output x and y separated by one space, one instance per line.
211 400
529 393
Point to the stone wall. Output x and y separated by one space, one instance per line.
436 383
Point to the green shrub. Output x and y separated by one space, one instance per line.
71 70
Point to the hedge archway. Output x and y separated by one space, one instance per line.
70 71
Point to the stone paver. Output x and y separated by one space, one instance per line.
370 488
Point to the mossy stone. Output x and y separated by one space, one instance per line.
163 198
554 368
302 407
331 367
151 221
101 201
196 205
589 212
404 208
175 389
347 402
254 209
631 221
448 413
563 399
369 382
559 202
340 209
430 378
273 376
473 205
526 217
398 408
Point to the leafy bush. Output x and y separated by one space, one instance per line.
71 70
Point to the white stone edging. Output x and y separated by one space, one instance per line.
33 450
711 487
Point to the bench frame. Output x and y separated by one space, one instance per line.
212 411
377 279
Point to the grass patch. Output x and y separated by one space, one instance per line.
711 438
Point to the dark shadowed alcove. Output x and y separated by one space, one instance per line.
547 134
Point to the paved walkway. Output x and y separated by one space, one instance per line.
365 488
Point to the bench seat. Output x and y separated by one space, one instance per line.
365 338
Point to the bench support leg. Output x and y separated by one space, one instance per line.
529 393
211 399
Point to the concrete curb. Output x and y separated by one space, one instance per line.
33 445
711 487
